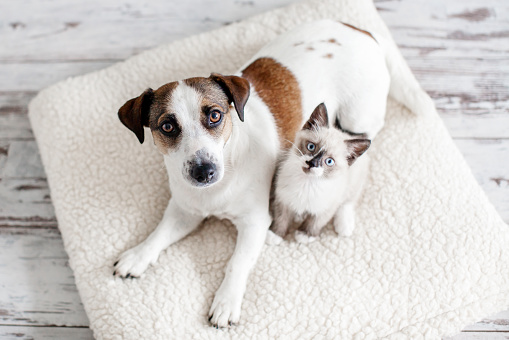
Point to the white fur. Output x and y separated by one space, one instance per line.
305 193
353 84
429 257
240 198
246 162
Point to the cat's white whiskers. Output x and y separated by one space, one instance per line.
289 141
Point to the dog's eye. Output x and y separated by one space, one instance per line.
215 117
311 146
329 161
167 127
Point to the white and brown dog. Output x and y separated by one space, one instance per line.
219 165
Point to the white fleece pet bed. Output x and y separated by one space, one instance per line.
429 255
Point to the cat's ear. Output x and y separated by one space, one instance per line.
318 118
355 148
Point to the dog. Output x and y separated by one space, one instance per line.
219 165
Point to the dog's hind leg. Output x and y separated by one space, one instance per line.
252 229
174 225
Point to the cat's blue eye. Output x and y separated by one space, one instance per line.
311 147
329 161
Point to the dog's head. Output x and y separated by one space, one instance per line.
191 122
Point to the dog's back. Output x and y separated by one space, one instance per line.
337 64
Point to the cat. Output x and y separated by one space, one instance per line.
320 178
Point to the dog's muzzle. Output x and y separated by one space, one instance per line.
203 173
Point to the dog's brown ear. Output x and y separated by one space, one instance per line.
134 113
318 118
236 88
356 147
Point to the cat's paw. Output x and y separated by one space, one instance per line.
345 231
133 262
272 239
344 222
303 237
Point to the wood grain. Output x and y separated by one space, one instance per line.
480 336
56 31
22 77
498 322
458 50
44 333
448 29
26 202
489 162
37 285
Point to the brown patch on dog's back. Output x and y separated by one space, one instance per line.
280 91
360 30
328 56
310 48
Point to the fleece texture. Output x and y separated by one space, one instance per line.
429 255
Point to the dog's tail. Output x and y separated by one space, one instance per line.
404 87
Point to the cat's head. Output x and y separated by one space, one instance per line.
324 150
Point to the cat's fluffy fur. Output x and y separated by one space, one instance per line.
320 178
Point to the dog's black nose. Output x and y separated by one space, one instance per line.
203 173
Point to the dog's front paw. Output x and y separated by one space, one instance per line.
225 309
133 262
272 238
303 237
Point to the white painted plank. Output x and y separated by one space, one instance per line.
15 126
14 122
96 29
465 85
489 161
13 101
497 322
118 29
448 28
44 333
26 203
478 126
36 284
23 161
479 336
36 76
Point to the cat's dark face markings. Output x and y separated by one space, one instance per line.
316 155
325 150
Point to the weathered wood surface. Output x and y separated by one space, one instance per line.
44 333
458 50
36 284
98 30
497 322
480 336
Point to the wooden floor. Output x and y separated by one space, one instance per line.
458 49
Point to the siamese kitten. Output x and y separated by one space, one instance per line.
320 178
